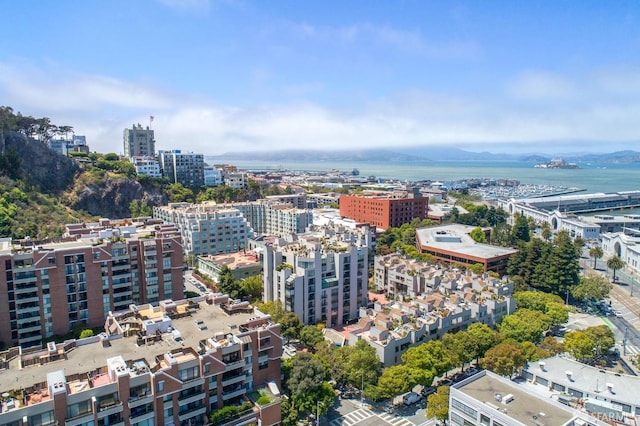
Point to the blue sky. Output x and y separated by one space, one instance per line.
238 75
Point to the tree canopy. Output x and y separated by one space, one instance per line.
504 359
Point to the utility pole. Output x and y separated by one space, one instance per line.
362 390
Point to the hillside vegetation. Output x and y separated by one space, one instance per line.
42 190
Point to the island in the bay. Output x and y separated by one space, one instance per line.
557 164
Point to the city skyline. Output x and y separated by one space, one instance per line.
220 76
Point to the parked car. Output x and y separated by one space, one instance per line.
411 398
445 382
428 391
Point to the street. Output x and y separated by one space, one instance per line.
624 299
350 412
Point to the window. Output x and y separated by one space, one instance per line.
160 386
464 408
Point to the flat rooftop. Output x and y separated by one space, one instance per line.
455 238
89 357
234 260
522 408
610 385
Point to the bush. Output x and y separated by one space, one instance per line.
86 333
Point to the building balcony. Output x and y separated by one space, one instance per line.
136 401
26 329
191 414
240 390
28 298
79 419
108 408
137 418
232 380
194 397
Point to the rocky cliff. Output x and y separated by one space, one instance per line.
48 172
39 166
112 197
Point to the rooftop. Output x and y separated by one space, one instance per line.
455 238
234 260
93 356
524 407
601 383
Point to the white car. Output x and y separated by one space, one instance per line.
411 398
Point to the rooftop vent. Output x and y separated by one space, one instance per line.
569 375
542 365
610 387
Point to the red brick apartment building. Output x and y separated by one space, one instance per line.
51 287
172 364
386 210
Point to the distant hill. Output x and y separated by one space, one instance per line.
423 153
321 155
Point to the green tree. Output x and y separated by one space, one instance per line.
311 336
545 231
535 300
592 287
477 268
179 194
139 208
252 287
521 231
563 268
579 345
306 382
552 345
504 359
579 243
398 379
481 338
432 357
532 352
524 325
478 235
290 325
614 263
558 313
228 284
501 234
596 253
190 260
438 404
362 365
603 338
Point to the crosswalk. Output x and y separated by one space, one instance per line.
362 414
395 421
352 418
631 349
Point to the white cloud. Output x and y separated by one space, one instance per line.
408 41
101 107
542 86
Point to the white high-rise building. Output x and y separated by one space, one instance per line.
207 228
320 275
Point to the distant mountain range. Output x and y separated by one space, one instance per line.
425 153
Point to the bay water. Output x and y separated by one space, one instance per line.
589 177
